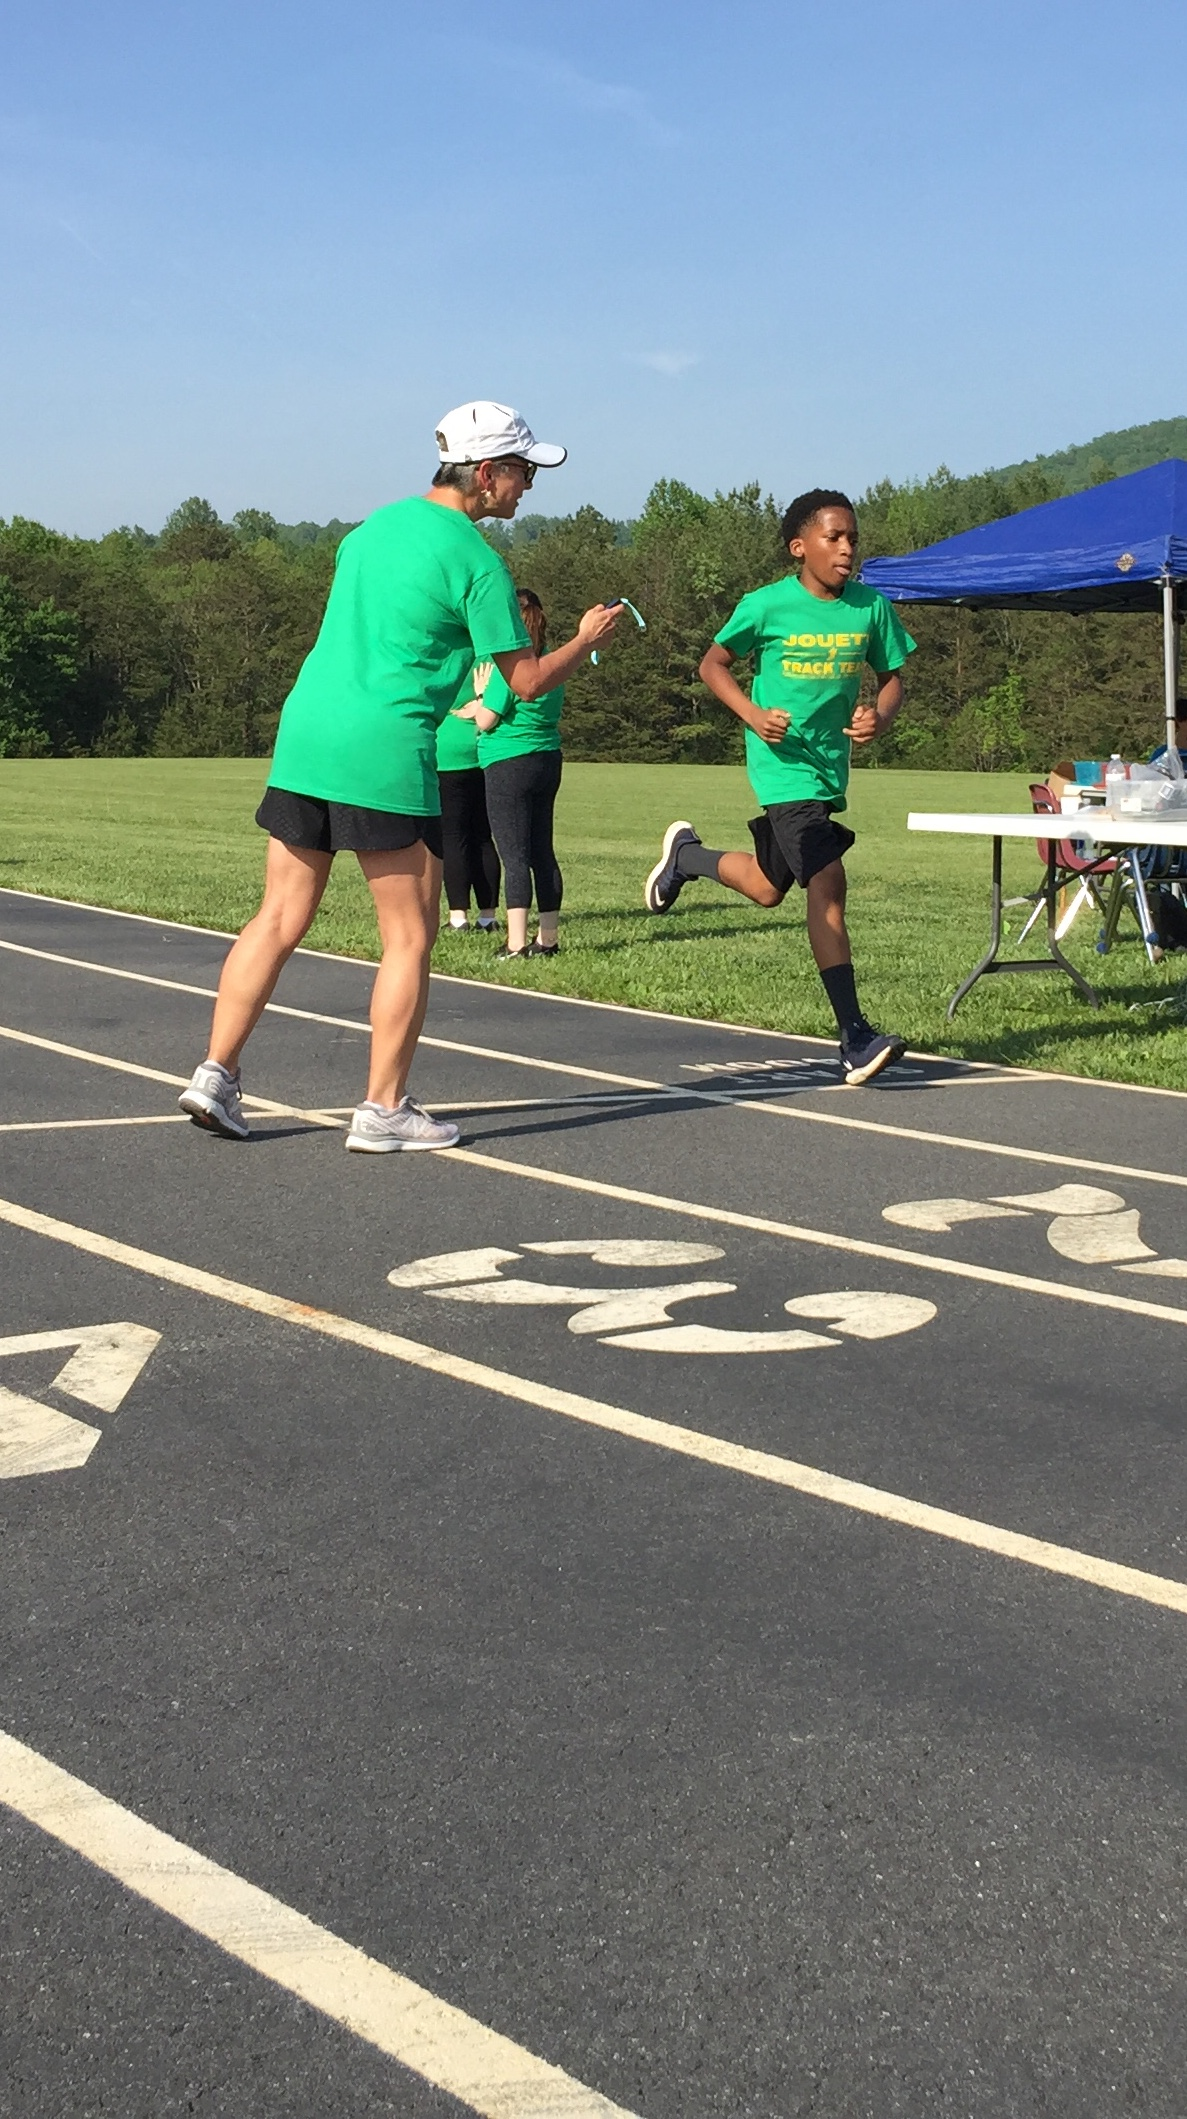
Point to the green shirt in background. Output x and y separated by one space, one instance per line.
418 597
457 745
525 725
808 657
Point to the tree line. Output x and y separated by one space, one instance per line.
185 643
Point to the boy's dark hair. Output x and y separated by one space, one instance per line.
805 506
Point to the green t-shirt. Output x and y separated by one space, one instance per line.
808 655
524 725
418 597
457 745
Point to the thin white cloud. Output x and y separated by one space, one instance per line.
605 98
558 81
669 363
70 230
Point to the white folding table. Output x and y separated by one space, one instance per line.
1099 825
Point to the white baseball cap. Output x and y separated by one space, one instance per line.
473 433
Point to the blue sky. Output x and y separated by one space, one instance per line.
253 250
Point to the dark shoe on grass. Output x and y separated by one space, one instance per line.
539 948
664 884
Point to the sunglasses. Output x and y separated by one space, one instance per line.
518 463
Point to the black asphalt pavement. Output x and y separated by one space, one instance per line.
723 1796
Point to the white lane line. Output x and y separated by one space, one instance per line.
73 1125
595 1099
677 1091
154 1074
827 1239
970 1145
591 1412
574 1000
337 1022
488 2073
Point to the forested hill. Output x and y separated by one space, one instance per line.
185 643
1129 449
961 502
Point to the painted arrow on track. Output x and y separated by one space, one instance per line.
104 1362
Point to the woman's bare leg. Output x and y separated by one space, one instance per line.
517 927
406 888
294 880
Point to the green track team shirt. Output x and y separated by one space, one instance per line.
418 597
808 655
525 725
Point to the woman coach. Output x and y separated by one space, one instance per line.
418 598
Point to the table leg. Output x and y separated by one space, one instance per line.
995 934
1054 960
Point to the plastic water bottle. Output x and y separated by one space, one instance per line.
1116 775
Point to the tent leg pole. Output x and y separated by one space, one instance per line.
1170 663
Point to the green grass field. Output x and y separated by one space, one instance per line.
176 838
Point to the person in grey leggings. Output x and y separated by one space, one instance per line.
519 750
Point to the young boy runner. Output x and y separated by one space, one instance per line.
810 635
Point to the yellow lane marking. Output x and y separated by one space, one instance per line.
956 1268
574 1000
154 1074
71 1125
638 1427
827 1239
674 1090
457 2054
337 1022
958 1140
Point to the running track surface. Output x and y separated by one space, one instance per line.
713 1647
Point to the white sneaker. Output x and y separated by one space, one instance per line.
376 1130
213 1100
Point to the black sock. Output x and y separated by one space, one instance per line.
841 988
692 859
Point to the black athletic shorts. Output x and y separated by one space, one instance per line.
342 827
793 841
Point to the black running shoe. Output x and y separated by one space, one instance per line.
539 948
867 1051
664 884
510 956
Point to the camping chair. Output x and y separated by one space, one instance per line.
1072 866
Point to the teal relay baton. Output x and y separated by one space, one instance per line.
640 621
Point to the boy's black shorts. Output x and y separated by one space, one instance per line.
793 841
317 826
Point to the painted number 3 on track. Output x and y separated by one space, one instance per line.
640 1316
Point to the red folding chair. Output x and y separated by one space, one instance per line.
1072 866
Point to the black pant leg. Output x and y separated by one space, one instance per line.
508 802
455 804
542 854
485 874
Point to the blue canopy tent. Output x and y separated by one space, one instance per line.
1118 547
